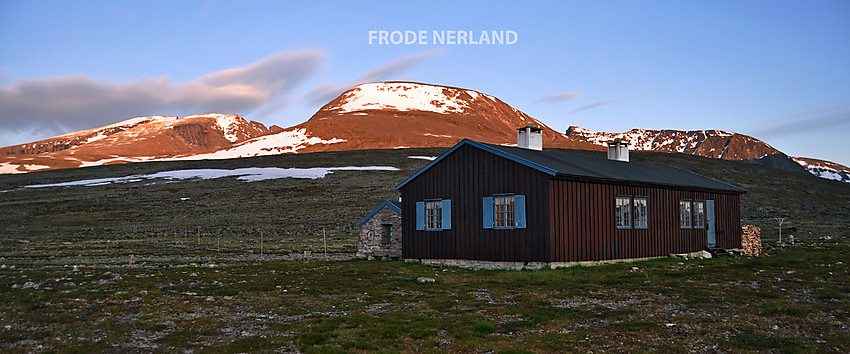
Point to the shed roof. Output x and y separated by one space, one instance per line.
556 163
387 203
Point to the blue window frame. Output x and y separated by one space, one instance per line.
504 211
434 215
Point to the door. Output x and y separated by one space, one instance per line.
709 219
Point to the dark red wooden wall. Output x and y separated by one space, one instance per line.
583 226
567 220
466 176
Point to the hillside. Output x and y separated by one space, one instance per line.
146 215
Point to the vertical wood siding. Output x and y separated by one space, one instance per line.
466 176
582 226
566 220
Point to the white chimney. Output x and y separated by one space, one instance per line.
618 150
529 137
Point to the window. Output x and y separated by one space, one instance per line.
623 212
641 212
699 214
685 214
388 233
505 211
434 215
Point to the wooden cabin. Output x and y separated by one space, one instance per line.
488 202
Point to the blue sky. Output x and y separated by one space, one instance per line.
776 70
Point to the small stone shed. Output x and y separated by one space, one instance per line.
380 233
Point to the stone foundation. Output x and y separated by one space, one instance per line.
475 264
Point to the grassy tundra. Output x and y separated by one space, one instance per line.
208 265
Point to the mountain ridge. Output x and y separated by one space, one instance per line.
378 115
133 140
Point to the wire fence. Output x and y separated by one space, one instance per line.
770 221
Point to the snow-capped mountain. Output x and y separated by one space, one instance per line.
716 144
132 140
369 116
389 115
825 169
407 114
378 115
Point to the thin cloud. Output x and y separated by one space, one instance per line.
821 119
327 91
560 97
594 105
58 104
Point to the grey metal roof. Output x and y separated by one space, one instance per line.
571 165
590 168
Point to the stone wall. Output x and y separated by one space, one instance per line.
372 243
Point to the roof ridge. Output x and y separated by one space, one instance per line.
560 163
704 176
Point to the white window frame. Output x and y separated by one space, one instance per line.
685 214
433 215
640 218
504 211
699 214
623 211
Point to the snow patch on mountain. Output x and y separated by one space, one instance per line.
8 168
126 124
117 160
825 169
403 97
286 142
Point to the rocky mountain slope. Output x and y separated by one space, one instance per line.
825 169
133 140
716 144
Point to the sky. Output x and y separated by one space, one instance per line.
776 70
